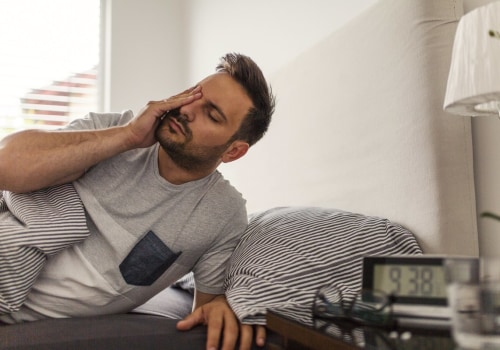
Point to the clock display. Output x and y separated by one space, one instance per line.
425 281
410 279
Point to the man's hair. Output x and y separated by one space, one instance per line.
246 72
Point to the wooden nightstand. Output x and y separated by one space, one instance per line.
293 335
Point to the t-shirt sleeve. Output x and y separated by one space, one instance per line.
95 121
209 271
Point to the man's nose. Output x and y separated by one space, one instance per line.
189 111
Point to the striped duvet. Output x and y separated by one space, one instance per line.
32 226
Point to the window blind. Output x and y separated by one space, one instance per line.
49 62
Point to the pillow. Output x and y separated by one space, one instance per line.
288 253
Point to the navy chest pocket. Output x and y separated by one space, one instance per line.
147 261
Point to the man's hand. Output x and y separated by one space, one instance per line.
221 321
142 127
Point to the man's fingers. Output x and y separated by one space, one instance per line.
193 319
214 329
246 337
230 334
223 326
191 91
178 100
260 335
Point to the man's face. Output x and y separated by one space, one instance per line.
196 135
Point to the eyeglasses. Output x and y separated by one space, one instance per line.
361 336
368 307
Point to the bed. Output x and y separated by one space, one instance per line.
359 132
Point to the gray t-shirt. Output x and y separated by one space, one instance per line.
133 212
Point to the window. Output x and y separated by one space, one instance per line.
49 62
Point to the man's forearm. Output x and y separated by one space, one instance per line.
33 159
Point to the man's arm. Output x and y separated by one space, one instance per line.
214 312
35 159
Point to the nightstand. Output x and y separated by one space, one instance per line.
293 335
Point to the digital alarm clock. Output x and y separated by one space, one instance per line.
417 284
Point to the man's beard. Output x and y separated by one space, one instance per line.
186 156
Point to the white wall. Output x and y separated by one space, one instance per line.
272 32
159 47
144 51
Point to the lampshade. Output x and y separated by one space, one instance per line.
474 79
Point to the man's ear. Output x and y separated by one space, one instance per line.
235 151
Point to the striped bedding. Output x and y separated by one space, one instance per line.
288 253
32 226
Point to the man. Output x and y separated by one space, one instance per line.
153 203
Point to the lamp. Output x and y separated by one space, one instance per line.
474 79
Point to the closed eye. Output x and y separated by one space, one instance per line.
216 113
214 119
213 114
